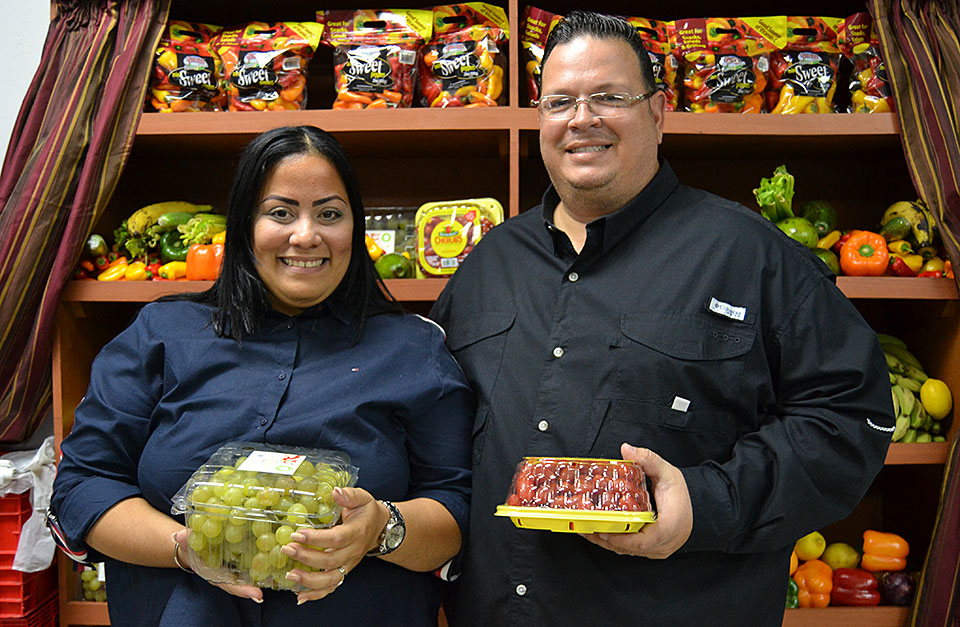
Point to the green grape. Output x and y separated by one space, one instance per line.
212 506
296 514
283 534
269 497
285 483
197 542
309 503
266 541
201 494
250 486
88 594
234 534
232 496
260 527
88 574
216 487
240 461
237 517
325 493
307 486
325 514
284 504
286 584
259 565
277 558
252 504
100 595
94 584
211 528
305 469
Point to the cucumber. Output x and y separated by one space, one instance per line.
173 219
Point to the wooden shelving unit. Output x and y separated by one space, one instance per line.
408 157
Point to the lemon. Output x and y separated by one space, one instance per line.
936 398
840 555
810 546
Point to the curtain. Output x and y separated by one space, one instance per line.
921 47
66 152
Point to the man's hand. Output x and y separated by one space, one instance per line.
674 511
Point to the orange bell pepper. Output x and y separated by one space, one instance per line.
815 582
794 562
883 551
864 254
204 261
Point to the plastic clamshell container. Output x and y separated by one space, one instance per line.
447 231
244 502
578 495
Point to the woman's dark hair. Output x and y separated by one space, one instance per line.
239 295
589 24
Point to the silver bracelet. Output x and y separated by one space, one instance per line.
176 558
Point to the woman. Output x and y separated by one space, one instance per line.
295 344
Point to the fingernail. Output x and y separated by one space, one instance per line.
301 601
338 490
292 576
256 600
298 537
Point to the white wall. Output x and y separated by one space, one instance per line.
25 27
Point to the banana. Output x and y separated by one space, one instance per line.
916 415
907 400
142 218
896 402
886 338
909 384
900 430
916 374
903 355
934 231
894 364
913 212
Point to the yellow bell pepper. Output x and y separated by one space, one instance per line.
914 262
900 247
827 241
373 249
135 271
173 270
115 272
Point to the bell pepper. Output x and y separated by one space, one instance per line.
900 246
219 238
153 270
927 252
827 241
931 274
899 267
373 249
173 270
883 551
136 271
794 562
172 248
792 591
933 264
838 245
854 586
864 254
101 262
114 273
948 269
814 583
203 262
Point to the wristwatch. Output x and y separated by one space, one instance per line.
392 534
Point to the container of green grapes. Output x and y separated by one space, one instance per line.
242 505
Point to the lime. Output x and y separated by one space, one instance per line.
821 215
840 555
828 257
936 398
394 266
810 546
801 230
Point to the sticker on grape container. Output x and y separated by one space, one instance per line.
268 461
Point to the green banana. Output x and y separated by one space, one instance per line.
900 429
910 384
934 231
902 354
913 212
923 436
907 400
886 338
916 417
894 364
145 217
896 402
917 374
910 436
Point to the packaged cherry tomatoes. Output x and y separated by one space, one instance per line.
187 70
869 85
536 25
725 61
375 55
265 64
578 495
803 73
447 231
462 65
657 36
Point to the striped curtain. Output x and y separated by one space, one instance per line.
921 46
66 152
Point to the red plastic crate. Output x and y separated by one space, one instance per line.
43 616
20 593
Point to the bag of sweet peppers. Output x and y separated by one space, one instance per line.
536 25
803 73
265 64
462 65
657 36
375 55
187 70
725 61
868 85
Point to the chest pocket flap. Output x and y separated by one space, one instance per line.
691 337
476 327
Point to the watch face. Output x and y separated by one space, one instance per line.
393 537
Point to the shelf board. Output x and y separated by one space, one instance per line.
84 613
911 288
873 616
917 453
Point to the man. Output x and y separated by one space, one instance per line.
628 309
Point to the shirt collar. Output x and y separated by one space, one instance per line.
615 226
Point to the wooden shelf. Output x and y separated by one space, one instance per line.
83 613
914 453
873 616
911 288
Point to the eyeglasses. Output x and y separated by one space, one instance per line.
560 107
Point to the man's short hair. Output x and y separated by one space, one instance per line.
589 24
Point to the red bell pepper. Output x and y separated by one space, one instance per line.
899 267
853 586
204 261
936 274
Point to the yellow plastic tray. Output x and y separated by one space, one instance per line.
575 520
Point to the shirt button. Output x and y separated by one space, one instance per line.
290 324
573 276
263 421
558 352
543 425
521 589
282 376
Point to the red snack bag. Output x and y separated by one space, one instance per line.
536 25
265 64
375 55
869 86
725 61
657 37
462 66
803 73
187 70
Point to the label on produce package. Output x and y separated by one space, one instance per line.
269 461
386 240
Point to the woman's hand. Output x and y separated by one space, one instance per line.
247 592
335 551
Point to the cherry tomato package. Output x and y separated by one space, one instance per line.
447 231
462 65
187 70
657 38
869 85
725 61
803 73
265 64
536 25
375 55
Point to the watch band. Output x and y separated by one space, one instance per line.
395 526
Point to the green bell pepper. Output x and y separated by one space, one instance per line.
171 248
792 591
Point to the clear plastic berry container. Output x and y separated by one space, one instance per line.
578 495
242 505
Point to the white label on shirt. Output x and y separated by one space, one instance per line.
269 461
680 403
101 572
728 310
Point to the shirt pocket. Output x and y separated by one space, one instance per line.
477 342
689 361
